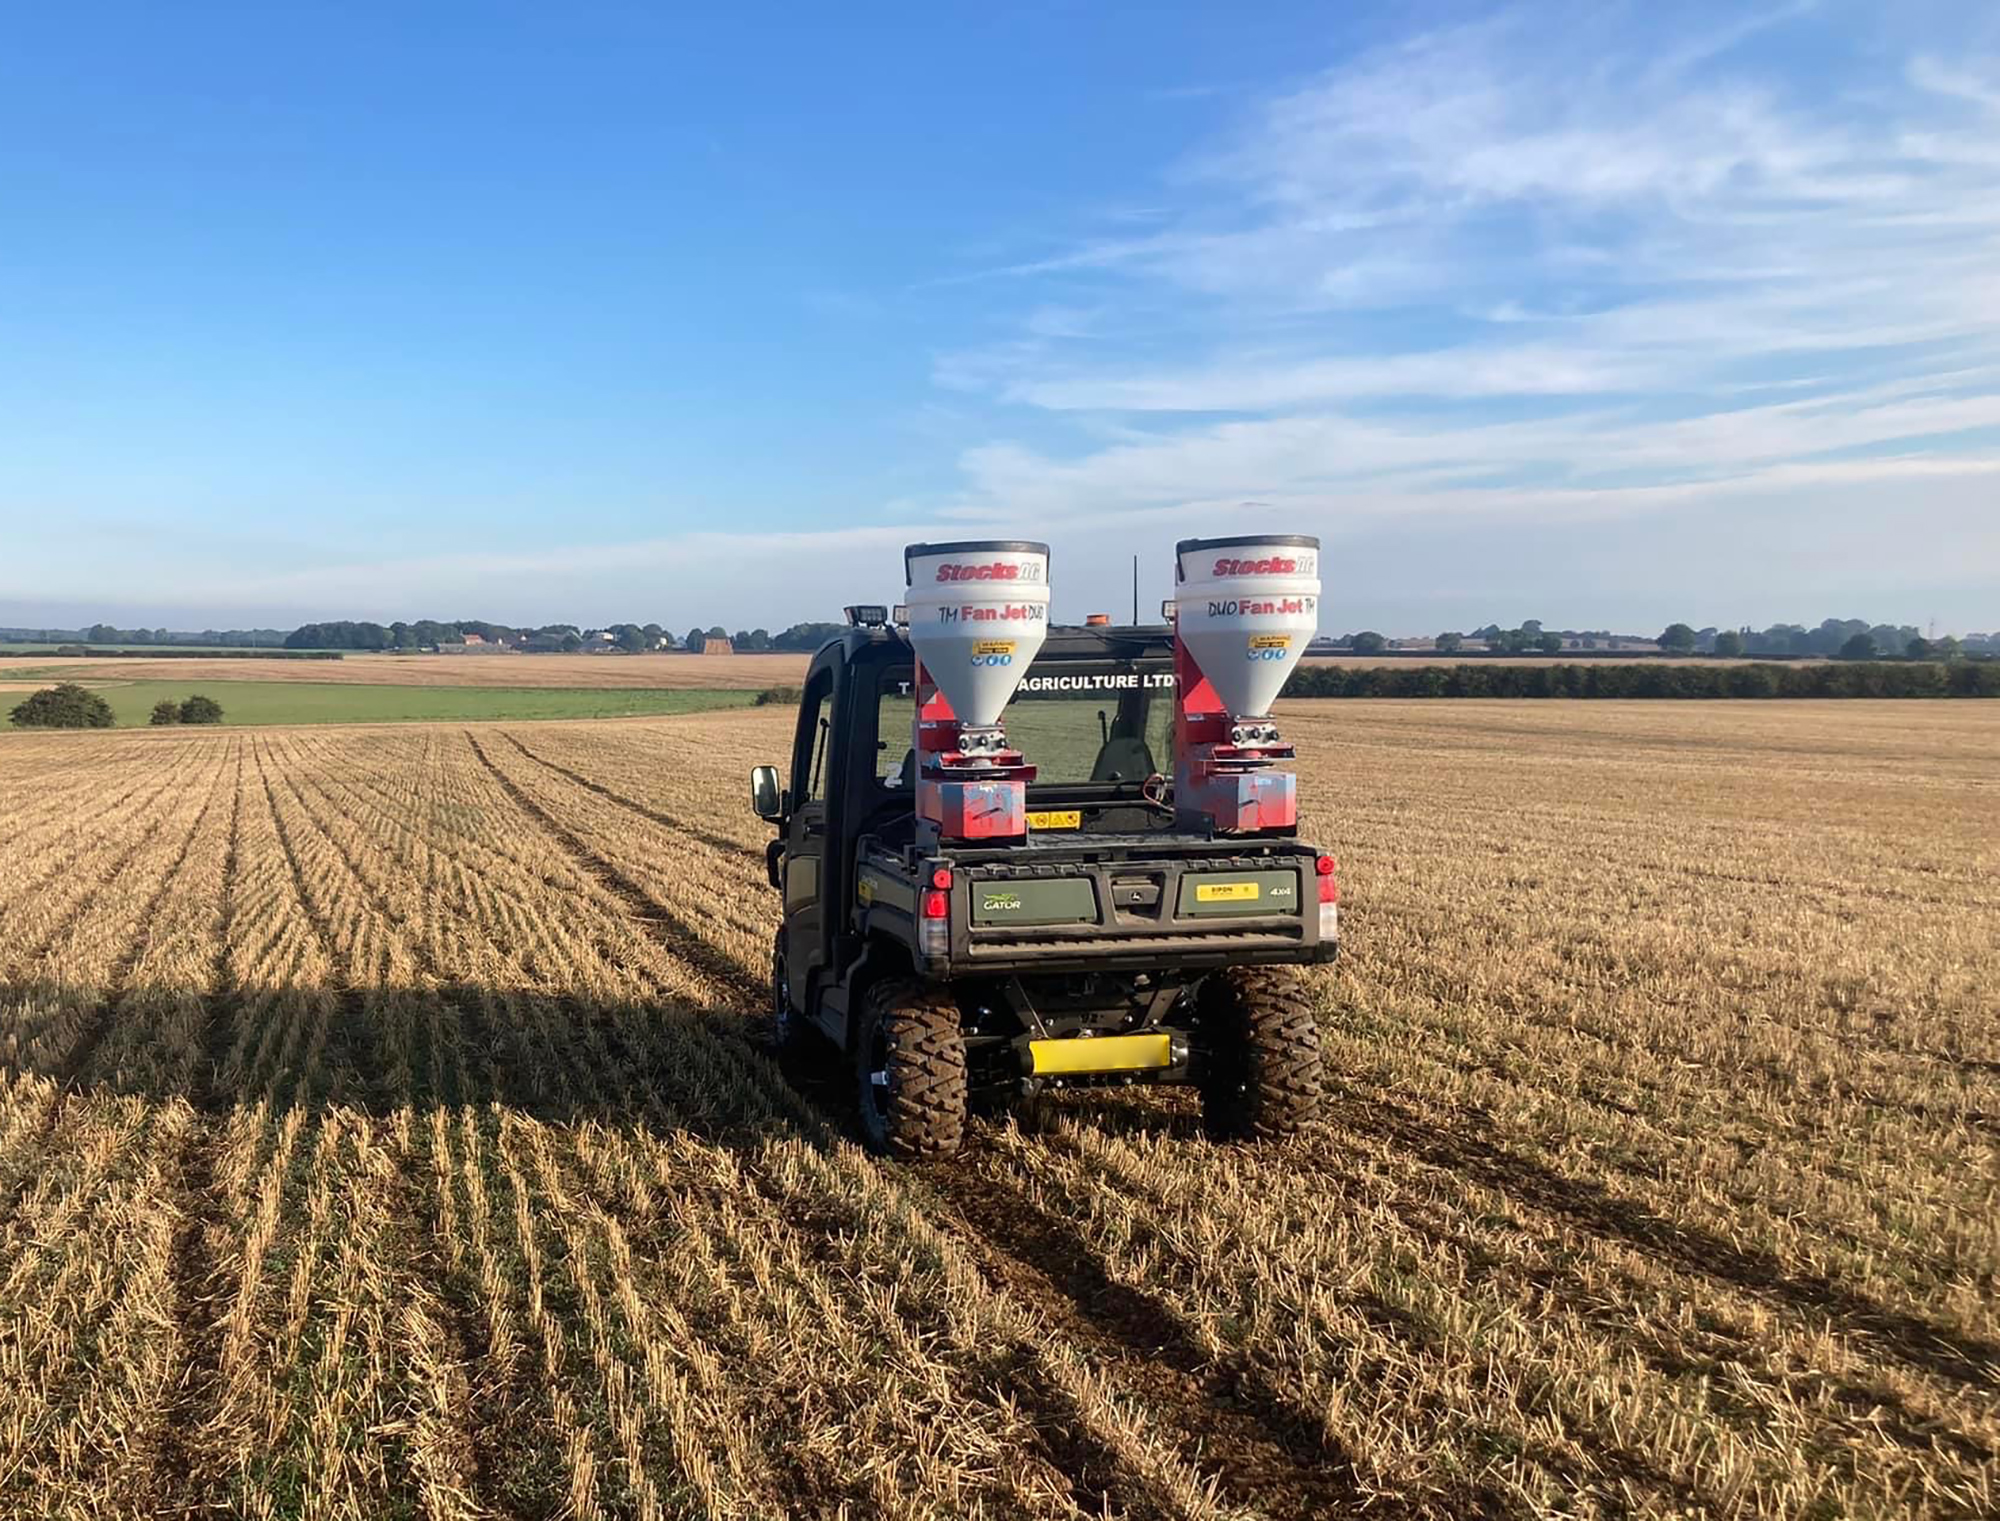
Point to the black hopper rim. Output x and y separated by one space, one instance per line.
973 547
1245 540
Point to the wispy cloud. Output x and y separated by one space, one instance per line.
1928 73
1541 262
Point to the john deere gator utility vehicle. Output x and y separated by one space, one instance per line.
1120 899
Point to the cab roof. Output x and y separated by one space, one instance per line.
1066 641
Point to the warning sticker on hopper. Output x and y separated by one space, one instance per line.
1224 892
1057 818
994 647
1270 641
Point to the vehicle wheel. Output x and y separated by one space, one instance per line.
910 1070
802 1050
1261 1076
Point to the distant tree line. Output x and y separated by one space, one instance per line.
427 634
1925 678
104 633
1530 638
550 638
424 634
1834 639
805 637
216 652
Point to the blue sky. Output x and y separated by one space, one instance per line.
1594 313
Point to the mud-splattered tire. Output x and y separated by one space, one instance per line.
1261 1073
910 1070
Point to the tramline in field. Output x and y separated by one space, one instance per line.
1122 900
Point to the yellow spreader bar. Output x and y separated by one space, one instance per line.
1102 1053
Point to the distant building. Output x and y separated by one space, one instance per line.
475 644
714 646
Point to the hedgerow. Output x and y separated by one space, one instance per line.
1881 678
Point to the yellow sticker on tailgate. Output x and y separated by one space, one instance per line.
1057 818
1224 892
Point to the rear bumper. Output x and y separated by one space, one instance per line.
1104 903
1284 941
1121 953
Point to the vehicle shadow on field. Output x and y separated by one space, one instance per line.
571 1057
561 1057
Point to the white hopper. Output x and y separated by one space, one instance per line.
979 612
1246 607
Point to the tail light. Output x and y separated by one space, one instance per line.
934 914
1327 871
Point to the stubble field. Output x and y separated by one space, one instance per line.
386 1128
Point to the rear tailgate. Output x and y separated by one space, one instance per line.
1210 905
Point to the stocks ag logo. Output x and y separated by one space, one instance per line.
995 570
1270 565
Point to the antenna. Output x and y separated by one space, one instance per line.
1135 589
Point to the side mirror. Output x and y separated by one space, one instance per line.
765 796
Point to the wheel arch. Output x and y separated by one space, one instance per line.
882 959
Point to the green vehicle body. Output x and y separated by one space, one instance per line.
1100 928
